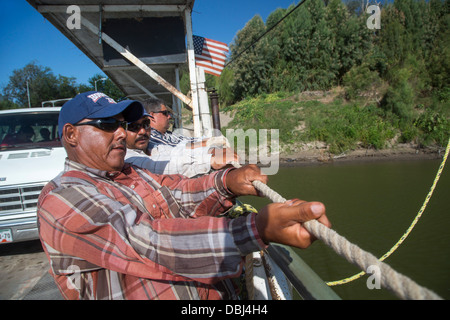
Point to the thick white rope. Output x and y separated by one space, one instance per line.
402 286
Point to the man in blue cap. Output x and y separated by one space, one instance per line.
115 231
104 114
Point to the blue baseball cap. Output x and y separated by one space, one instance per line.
97 105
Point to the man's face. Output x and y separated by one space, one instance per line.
161 119
101 149
138 134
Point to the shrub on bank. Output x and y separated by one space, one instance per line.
341 124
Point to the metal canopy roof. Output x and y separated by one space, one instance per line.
152 30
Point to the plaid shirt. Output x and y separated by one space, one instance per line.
136 235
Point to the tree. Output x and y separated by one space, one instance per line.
352 40
224 86
318 44
399 98
320 49
40 84
106 86
32 79
438 44
247 67
6 104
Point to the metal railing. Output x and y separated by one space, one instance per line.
305 281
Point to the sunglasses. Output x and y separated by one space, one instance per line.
106 124
164 112
136 127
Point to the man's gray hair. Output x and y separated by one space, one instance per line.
153 104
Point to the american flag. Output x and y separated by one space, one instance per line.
210 54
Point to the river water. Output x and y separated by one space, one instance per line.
372 204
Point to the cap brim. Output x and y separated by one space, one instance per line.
147 115
131 110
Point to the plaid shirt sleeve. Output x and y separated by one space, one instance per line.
79 223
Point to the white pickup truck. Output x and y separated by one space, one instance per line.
30 156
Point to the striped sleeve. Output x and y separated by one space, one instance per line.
205 195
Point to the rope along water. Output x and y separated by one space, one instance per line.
408 231
402 286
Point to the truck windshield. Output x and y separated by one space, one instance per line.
29 130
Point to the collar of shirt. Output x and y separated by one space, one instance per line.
72 165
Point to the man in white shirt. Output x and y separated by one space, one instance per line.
160 136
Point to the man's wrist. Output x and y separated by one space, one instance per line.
221 183
246 235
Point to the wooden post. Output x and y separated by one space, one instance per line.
214 97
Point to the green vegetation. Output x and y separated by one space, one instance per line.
394 82
343 125
44 85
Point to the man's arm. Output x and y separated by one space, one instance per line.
80 221
173 160
210 194
83 223
205 195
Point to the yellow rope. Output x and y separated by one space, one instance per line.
406 234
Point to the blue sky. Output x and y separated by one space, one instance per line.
26 36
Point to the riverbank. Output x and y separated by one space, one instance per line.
324 127
400 152
297 152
